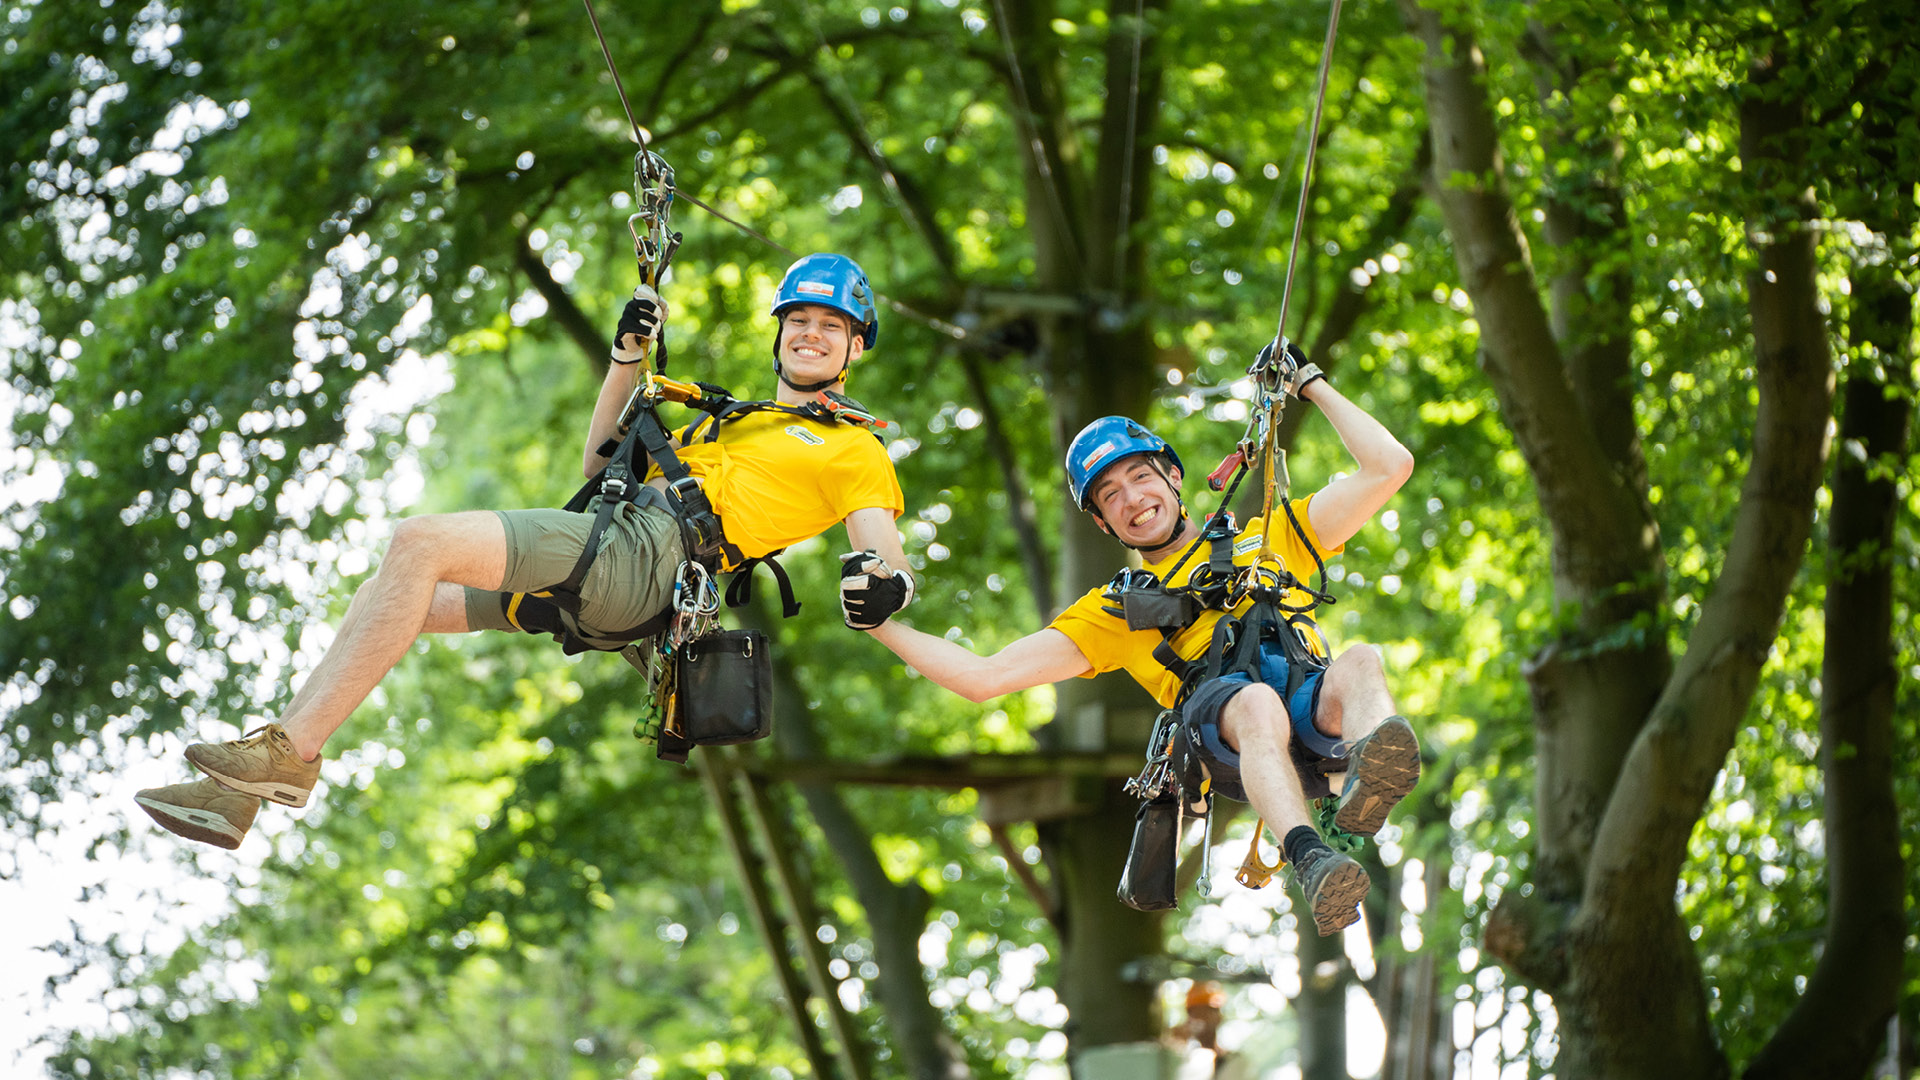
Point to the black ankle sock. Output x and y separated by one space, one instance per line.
1300 840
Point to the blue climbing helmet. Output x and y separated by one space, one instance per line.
1104 442
833 281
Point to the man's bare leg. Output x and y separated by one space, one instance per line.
415 591
1255 724
418 589
1354 698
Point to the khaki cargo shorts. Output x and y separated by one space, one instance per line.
631 580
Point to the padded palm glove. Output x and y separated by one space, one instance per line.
639 326
870 590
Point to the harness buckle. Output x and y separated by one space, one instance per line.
685 489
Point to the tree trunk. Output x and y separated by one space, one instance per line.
1321 1008
1636 1006
1840 1024
896 913
1094 361
1627 757
1591 688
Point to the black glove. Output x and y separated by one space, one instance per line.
870 590
1295 373
639 326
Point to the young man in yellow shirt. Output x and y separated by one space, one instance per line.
774 479
1244 729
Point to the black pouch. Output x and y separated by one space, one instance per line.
1154 608
723 693
1147 882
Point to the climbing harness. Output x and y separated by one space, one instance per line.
1174 781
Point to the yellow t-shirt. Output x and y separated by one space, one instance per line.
1108 645
777 479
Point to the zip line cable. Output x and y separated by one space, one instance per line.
957 333
638 135
1277 395
1306 178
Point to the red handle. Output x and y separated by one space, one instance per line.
1217 479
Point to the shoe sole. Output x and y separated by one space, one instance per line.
1337 905
283 794
192 823
1388 769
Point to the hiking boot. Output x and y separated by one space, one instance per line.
264 763
201 810
1333 885
1385 767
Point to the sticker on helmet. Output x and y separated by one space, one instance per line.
813 288
1087 461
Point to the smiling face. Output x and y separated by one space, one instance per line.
1135 502
816 343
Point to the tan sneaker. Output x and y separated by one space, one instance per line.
1333 885
201 810
1384 768
264 763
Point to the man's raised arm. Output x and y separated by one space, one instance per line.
1346 504
639 328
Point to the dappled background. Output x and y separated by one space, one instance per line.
276 275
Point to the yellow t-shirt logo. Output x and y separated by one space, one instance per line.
805 436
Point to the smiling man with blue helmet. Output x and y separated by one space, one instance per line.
835 283
1290 710
775 473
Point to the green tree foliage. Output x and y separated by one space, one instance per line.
223 227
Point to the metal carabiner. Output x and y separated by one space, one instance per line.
653 191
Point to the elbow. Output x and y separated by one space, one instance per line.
1394 465
980 694
1401 464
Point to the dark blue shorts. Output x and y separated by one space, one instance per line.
1202 715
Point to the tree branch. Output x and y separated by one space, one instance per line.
1605 543
572 321
1020 506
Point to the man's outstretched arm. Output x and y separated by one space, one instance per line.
1043 657
1346 504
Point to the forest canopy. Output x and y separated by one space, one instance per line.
1634 285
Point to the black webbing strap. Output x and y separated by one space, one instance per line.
699 525
740 585
539 613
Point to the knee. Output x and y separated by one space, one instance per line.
414 539
1255 714
1361 663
